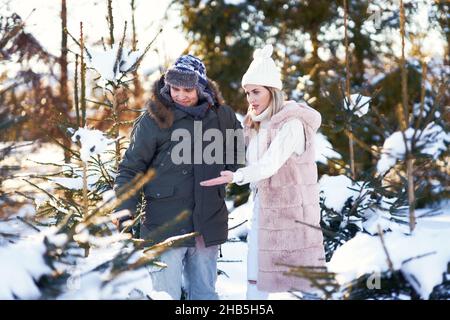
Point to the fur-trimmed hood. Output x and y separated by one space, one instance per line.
161 110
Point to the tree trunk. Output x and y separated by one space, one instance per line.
63 84
110 24
347 88
138 92
408 151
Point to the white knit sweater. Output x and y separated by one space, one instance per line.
289 139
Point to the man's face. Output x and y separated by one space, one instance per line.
184 96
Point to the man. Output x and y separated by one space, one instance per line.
183 100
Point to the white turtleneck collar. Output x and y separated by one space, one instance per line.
262 116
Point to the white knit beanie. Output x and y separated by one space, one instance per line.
263 71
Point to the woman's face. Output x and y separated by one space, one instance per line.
184 96
258 97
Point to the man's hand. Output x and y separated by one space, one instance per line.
119 218
225 177
115 222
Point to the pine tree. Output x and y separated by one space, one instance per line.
82 205
393 185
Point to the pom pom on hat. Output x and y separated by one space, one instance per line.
263 71
265 52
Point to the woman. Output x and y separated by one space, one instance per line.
281 170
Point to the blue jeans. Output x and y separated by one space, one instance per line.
195 267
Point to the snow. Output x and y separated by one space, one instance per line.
134 284
374 213
432 142
104 61
29 151
232 286
238 216
58 239
393 149
15 227
359 103
86 284
69 183
332 199
25 264
427 270
431 235
382 218
129 59
376 79
21 265
324 149
234 2
108 196
93 142
160 295
76 183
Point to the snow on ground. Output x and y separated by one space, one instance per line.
86 284
13 225
26 157
25 264
21 264
427 245
430 238
238 219
21 247
21 256
232 284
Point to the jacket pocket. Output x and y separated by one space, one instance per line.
159 206
159 192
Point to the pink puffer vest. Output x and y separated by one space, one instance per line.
289 195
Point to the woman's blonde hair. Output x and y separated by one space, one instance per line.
276 102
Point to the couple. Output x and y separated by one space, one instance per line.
281 170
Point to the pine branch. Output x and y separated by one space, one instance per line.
139 60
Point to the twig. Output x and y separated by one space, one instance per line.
238 225
28 224
389 261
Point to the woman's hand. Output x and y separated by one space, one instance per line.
225 177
